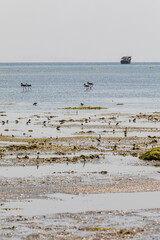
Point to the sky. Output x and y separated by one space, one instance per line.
79 30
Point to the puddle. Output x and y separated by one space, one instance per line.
63 203
114 165
78 168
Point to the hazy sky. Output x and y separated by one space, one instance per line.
79 30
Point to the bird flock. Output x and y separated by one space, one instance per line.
88 85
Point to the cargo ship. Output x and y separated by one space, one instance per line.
126 60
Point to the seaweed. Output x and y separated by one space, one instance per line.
84 108
8 104
154 154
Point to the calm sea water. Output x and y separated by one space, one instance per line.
59 85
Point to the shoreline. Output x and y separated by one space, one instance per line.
79 155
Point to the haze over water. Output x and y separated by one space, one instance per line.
58 85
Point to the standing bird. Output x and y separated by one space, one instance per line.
90 84
86 85
99 139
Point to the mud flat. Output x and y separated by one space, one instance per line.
78 175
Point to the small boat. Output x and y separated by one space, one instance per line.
126 60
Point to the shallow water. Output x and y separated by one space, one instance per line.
63 203
56 85
115 166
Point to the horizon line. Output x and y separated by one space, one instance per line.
17 62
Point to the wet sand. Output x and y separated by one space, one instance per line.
86 152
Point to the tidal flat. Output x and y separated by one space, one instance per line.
66 169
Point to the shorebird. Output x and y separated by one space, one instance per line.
58 128
86 120
26 85
125 132
44 123
86 85
62 121
35 104
99 139
90 83
38 153
115 147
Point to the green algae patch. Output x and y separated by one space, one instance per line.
154 154
93 68
124 233
11 139
83 132
84 108
8 104
113 233
37 116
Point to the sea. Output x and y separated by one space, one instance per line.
118 87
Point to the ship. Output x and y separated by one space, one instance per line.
126 60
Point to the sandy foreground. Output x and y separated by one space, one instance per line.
77 153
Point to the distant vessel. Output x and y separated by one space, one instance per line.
126 60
